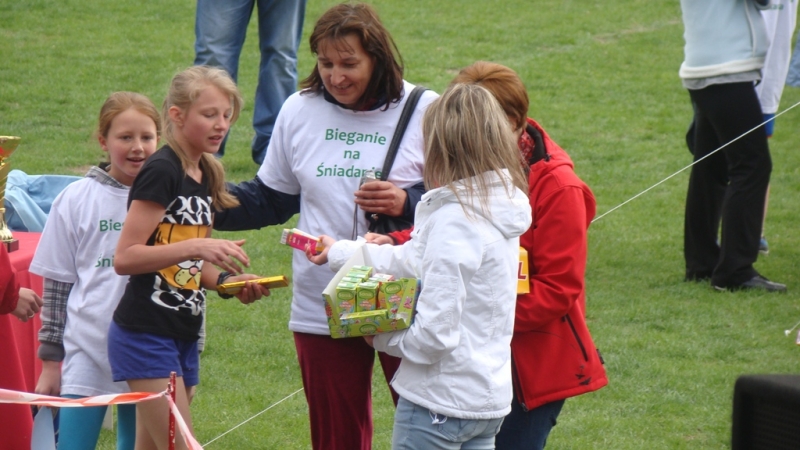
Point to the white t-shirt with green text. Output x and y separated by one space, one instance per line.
77 246
319 150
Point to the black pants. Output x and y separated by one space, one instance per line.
728 187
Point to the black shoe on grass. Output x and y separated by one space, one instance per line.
757 282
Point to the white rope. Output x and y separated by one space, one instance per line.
690 165
248 420
786 332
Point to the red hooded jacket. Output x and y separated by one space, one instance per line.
553 354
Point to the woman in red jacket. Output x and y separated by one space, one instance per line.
552 352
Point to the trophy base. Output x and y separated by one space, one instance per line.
11 245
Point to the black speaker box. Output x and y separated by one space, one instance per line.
766 412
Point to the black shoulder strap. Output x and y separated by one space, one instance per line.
402 124
539 150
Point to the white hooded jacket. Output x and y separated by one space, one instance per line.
456 357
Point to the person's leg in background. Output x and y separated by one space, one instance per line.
780 20
79 428
793 77
220 29
707 182
280 29
390 364
734 111
763 246
337 380
528 430
126 427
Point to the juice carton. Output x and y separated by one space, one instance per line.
345 300
405 308
390 295
352 279
362 276
361 270
381 277
300 240
367 296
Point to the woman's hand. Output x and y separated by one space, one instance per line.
322 257
377 238
381 197
28 305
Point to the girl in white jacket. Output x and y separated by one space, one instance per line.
455 377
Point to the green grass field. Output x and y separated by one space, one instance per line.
602 77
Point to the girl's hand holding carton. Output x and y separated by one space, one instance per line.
320 258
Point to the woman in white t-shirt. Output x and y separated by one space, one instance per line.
75 257
326 136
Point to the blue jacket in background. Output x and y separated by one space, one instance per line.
28 198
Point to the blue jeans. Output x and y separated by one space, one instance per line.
416 428
528 429
79 428
220 29
793 77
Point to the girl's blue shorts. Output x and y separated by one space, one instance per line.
135 355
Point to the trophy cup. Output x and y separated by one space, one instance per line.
7 146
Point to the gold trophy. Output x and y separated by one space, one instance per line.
7 146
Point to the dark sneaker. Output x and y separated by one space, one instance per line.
757 282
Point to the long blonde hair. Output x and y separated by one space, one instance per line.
184 89
467 135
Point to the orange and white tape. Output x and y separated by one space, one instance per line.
190 441
8 396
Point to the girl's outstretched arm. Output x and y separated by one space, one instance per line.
134 256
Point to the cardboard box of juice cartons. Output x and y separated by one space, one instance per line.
364 323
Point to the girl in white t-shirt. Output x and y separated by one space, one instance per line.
75 257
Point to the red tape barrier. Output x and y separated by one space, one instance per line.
8 396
